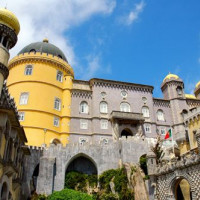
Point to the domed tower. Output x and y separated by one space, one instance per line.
173 90
9 29
40 80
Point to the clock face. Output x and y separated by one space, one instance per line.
124 93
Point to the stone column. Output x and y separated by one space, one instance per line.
197 135
46 176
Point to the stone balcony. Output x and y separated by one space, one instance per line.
127 117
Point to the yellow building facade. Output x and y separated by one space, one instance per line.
40 80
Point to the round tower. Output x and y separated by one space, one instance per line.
40 80
9 29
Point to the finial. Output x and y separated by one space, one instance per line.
6 5
46 40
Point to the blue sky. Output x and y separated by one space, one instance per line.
126 40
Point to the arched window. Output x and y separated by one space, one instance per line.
84 107
179 90
23 98
145 111
32 50
28 70
57 104
59 76
125 107
160 115
103 107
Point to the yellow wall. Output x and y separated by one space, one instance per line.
194 125
184 147
43 88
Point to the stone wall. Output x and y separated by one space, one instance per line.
105 156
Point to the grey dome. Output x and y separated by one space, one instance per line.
44 47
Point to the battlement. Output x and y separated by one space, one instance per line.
187 160
38 56
36 148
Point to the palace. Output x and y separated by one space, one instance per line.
87 126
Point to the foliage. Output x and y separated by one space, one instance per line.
143 164
38 197
119 177
109 196
78 181
68 194
157 150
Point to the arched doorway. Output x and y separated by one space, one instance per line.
126 132
182 190
4 191
82 164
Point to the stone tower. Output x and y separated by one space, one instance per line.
173 90
9 29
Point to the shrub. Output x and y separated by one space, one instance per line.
109 196
68 194
77 180
120 180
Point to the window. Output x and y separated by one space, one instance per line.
144 99
103 94
160 115
123 93
145 111
103 107
84 107
59 76
56 121
147 128
125 107
104 124
57 104
23 98
21 116
162 131
84 124
179 90
28 70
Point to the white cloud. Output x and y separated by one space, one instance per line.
95 66
52 18
133 14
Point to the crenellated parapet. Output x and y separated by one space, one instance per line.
186 161
38 57
192 115
193 103
81 94
121 85
161 103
